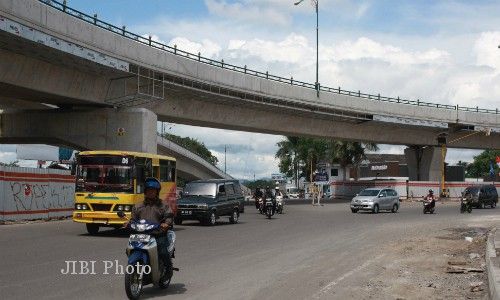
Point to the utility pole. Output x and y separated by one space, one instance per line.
316 6
225 165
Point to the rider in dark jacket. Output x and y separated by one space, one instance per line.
430 197
269 195
154 211
258 194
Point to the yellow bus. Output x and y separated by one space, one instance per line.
112 181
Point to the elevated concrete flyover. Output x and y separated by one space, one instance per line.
81 60
53 54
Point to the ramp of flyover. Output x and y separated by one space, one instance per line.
115 67
190 166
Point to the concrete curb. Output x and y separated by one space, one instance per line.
492 266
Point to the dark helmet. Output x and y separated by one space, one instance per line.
152 183
431 192
267 187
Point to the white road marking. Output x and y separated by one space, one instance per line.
345 275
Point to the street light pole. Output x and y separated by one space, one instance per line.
316 6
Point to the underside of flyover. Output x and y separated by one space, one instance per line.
58 96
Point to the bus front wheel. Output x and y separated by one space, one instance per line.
92 229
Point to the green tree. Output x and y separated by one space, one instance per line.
349 153
194 146
480 167
297 154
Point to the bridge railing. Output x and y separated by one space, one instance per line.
198 57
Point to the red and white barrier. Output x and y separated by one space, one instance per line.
405 189
29 194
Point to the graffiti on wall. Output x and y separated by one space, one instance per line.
40 196
35 193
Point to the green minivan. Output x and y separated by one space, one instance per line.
208 200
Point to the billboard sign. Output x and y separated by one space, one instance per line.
278 177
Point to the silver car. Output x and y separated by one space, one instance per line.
374 200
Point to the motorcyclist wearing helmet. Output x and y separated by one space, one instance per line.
257 195
277 191
430 197
268 194
154 211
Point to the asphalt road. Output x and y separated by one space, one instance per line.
309 252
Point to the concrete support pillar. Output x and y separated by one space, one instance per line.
99 129
424 163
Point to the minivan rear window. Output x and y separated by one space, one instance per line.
471 190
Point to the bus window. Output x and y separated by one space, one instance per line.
171 173
164 174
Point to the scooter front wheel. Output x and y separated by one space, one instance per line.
133 284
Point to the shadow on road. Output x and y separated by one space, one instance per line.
118 233
199 224
154 292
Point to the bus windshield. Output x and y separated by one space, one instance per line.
104 178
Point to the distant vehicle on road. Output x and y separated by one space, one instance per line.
292 193
208 200
482 195
374 200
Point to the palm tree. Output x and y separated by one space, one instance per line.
349 153
301 155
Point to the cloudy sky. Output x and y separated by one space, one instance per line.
439 51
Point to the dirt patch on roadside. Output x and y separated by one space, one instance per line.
421 268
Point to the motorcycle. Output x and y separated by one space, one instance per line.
279 205
269 208
144 266
465 205
429 205
260 204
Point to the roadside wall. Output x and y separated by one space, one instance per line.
29 194
406 190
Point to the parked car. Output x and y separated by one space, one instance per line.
374 200
208 200
482 195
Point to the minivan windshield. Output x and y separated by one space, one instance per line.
369 193
200 189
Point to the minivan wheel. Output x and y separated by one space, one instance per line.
353 210
234 216
493 204
394 208
482 205
375 209
212 218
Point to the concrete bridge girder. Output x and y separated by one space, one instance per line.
110 129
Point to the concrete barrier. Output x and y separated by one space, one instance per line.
492 265
405 189
29 194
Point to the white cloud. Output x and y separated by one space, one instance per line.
486 49
206 47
